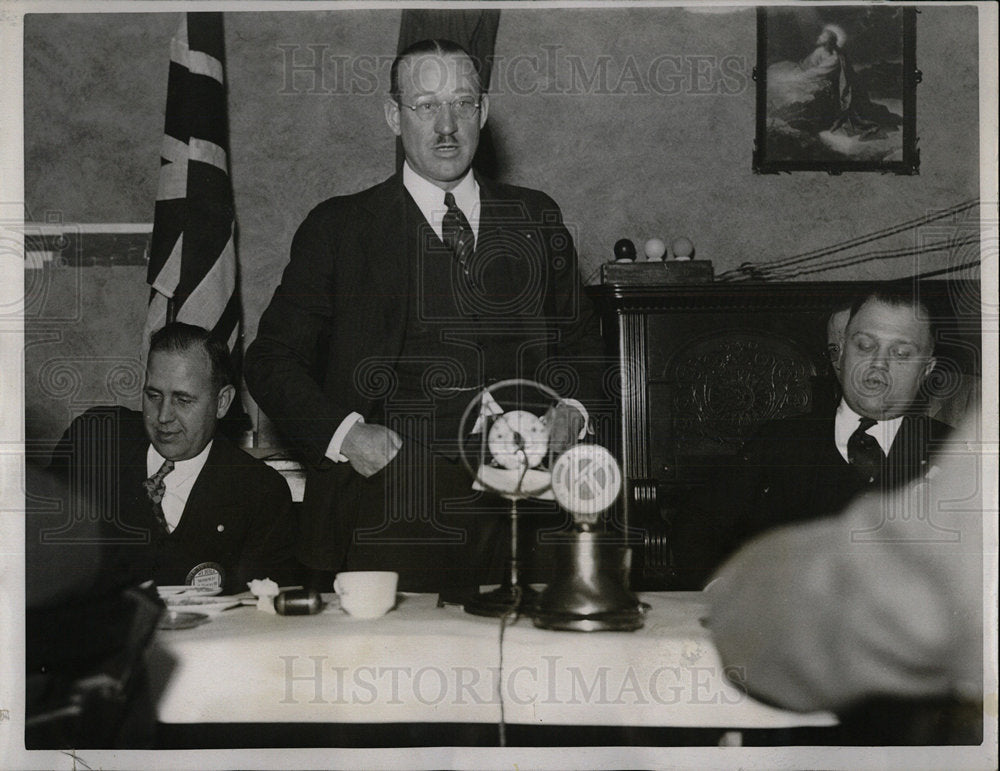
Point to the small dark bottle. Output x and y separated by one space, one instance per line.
298 602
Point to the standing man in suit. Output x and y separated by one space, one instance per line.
178 503
399 305
810 466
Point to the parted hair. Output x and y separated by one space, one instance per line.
439 46
900 296
178 337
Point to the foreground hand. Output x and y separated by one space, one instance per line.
370 447
565 423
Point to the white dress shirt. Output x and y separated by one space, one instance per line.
178 482
430 199
846 423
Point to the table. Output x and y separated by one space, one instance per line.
425 664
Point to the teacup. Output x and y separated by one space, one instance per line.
366 593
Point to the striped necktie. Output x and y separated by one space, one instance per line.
156 489
864 452
457 233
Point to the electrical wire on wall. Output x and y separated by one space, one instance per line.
815 261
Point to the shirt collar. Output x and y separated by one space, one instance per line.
846 423
183 469
430 198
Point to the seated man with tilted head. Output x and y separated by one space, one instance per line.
875 439
178 502
867 433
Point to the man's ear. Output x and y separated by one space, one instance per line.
928 368
834 350
392 115
226 395
838 365
484 109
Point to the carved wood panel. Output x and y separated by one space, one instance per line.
724 388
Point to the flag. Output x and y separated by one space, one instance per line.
192 269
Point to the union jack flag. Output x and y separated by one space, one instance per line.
192 262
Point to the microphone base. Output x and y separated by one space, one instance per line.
590 592
627 620
503 600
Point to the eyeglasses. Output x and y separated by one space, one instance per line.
463 109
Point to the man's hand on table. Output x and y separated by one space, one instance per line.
370 447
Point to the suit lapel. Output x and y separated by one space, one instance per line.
828 468
133 445
491 211
133 502
387 252
908 454
388 270
517 265
208 492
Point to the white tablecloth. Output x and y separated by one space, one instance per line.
420 663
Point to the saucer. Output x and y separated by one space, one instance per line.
177 619
174 592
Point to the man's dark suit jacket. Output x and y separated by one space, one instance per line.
346 296
791 471
238 514
788 471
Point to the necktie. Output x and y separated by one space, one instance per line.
156 489
864 452
457 233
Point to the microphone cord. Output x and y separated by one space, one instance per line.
513 613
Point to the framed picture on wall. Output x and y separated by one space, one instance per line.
836 89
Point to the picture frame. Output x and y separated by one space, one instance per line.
836 89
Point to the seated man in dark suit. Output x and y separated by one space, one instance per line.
177 502
810 466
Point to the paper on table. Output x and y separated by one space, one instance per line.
183 590
210 605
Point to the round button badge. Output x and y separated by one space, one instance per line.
206 574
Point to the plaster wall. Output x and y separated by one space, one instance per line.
584 106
